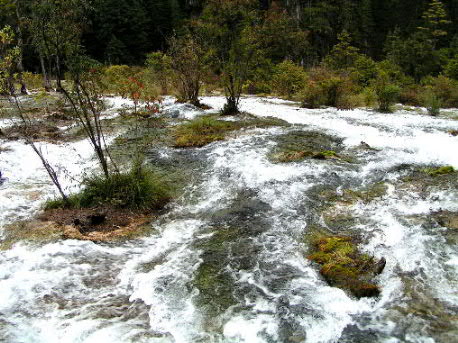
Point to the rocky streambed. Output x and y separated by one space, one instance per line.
246 252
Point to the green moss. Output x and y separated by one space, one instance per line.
343 266
212 279
205 130
439 171
30 231
350 196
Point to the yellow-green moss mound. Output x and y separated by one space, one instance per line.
343 266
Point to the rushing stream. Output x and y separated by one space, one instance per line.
227 262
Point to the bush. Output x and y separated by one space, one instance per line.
288 78
445 89
386 91
139 189
364 70
33 81
114 76
326 88
161 66
451 69
432 103
387 96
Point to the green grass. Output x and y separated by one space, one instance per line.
139 189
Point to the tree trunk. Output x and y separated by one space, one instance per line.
46 81
20 44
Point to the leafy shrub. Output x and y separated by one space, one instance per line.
387 96
114 76
432 103
411 95
386 91
326 88
33 81
364 70
445 89
161 66
451 69
288 78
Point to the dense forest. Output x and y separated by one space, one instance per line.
338 53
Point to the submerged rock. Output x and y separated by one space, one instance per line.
300 145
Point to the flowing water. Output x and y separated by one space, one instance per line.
227 263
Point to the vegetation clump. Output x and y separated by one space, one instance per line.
207 129
444 170
298 146
139 189
202 131
343 266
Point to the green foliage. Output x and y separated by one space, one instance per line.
140 189
444 88
281 38
188 61
435 20
364 70
451 69
432 102
343 55
227 28
288 78
8 58
161 66
386 91
327 88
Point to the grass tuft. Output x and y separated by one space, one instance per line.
139 189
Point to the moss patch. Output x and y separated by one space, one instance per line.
39 232
350 196
212 279
343 266
207 129
299 145
59 224
444 170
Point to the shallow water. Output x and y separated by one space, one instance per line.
243 219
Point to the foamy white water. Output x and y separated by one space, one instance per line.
146 291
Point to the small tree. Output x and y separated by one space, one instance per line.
288 78
188 62
227 28
161 66
387 92
87 104
435 21
343 55
10 54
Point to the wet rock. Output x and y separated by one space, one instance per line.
446 219
380 266
300 145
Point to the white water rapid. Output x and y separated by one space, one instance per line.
181 284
